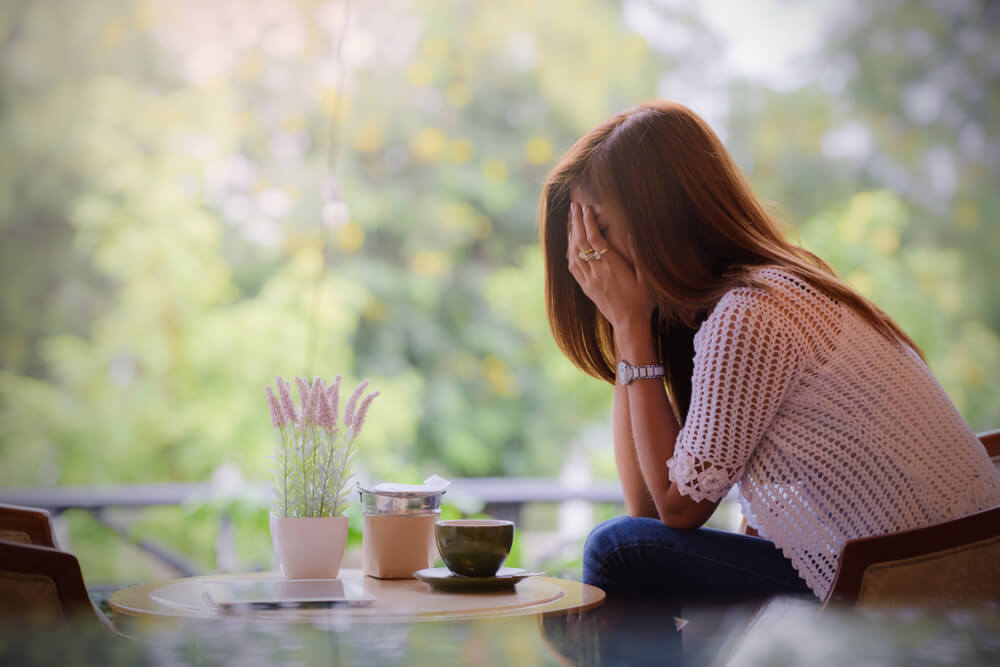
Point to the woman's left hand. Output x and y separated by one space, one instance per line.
612 283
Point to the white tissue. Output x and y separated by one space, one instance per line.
432 483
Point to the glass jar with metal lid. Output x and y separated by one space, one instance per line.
398 529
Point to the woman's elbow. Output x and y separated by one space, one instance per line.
682 513
682 522
642 509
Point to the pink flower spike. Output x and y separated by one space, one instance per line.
353 401
303 385
359 422
315 398
324 415
287 404
333 396
277 417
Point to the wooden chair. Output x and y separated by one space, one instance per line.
954 563
45 585
38 581
27 525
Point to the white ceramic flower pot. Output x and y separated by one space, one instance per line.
309 547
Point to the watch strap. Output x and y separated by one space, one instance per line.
649 372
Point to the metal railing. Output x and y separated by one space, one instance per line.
501 497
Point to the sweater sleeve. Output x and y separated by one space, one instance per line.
748 355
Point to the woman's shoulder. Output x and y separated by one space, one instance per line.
765 289
771 296
788 283
777 288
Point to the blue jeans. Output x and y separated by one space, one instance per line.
638 555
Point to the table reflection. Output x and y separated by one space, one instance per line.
637 631
621 632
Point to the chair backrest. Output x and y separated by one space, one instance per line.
27 525
953 563
43 584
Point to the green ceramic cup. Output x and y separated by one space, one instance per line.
474 547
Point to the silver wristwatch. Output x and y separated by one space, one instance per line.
627 373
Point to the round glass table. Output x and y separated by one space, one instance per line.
395 600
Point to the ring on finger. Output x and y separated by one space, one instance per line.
598 253
588 254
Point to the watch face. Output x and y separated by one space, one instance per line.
622 372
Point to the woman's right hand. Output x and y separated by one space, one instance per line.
612 283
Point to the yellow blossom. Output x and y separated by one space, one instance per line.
461 150
328 101
428 144
420 74
948 296
369 138
113 33
635 48
885 240
538 150
146 15
455 215
972 375
293 122
498 378
431 263
862 282
375 311
458 94
308 257
350 237
853 224
495 170
435 48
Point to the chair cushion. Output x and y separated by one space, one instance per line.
11 535
21 593
962 574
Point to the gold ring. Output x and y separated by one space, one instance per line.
599 253
587 255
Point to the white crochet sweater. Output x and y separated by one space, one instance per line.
833 431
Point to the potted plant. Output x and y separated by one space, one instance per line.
313 464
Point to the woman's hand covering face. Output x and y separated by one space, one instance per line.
605 275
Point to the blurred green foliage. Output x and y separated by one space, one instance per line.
196 197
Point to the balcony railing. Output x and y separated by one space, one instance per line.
500 497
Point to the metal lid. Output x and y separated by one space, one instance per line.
400 502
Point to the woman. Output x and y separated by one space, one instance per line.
737 358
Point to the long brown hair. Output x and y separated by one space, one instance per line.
697 230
